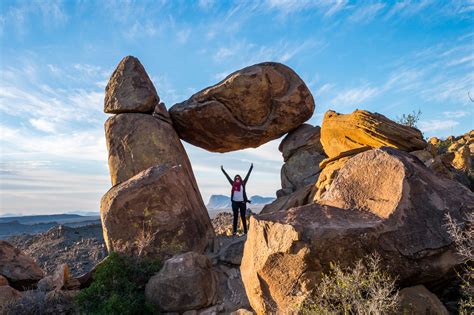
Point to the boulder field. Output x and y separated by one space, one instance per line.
361 183
382 200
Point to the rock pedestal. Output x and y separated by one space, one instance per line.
155 213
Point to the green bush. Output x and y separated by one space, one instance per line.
363 289
118 287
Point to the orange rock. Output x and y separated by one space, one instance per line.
363 129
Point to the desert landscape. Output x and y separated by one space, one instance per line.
361 191
236 157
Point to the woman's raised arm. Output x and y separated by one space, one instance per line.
248 174
227 175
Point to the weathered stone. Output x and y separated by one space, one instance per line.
388 202
300 170
418 300
57 281
129 89
328 174
20 270
7 295
462 159
138 141
363 129
3 281
186 282
247 109
305 137
242 311
423 155
301 197
232 253
155 213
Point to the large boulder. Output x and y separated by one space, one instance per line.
302 152
155 213
186 282
418 300
383 200
20 270
247 109
136 142
129 89
363 129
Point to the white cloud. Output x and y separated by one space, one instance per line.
206 4
366 13
183 35
465 59
43 125
436 125
354 96
456 114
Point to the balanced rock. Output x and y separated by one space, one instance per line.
20 270
136 142
186 282
382 200
156 213
247 109
302 152
129 89
363 129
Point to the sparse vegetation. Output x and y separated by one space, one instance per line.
463 236
118 287
364 289
36 302
410 120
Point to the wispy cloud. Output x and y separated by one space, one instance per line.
456 114
437 125
354 96
366 13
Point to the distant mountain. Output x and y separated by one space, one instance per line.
223 202
58 218
219 202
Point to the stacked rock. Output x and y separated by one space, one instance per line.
344 136
154 207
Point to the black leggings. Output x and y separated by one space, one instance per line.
236 206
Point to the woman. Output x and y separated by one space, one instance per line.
238 196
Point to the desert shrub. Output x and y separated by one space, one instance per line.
36 302
410 120
118 287
463 237
363 289
443 145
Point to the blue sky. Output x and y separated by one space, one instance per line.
56 57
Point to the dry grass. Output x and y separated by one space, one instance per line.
363 289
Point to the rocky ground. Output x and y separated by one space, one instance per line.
80 248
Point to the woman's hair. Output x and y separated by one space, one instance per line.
235 177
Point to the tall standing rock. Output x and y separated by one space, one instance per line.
156 213
130 90
154 207
363 129
247 109
382 200
136 142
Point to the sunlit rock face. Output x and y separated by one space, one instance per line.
248 108
382 200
